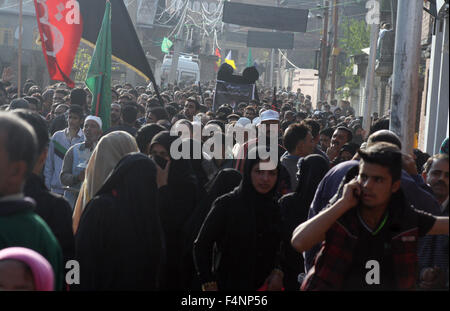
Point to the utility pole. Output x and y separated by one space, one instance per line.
324 49
272 56
272 59
406 72
280 82
370 77
335 49
19 51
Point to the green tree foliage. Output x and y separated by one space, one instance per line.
82 62
356 36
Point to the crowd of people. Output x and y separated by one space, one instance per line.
136 218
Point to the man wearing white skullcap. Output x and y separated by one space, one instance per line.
77 157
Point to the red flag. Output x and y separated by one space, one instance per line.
219 61
60 26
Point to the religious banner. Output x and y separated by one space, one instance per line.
232 94
60 27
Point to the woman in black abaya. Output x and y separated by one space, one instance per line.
294 211
119 242
245 226
178 195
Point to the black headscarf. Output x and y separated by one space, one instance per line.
246 187
120 231
180 171
176 204
267 219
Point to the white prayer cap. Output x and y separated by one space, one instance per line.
95 119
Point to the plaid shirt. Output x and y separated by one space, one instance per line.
335 258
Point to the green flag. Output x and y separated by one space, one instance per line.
166 45
250 61
98 79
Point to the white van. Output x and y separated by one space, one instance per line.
188 70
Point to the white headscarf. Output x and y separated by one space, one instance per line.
109 151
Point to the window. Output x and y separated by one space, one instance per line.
6 37
188 76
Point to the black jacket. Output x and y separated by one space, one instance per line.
55 211
245 226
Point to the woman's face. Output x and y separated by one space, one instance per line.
159 150
263 180
15 276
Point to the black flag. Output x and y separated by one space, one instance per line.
126 47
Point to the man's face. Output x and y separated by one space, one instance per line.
74 121
89 100
437 177
289 116
92 131
189 109
151 118
60 110
115 113
249 113
307 145
376 185
58 98
325 142
339 139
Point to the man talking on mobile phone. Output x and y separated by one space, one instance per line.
369 234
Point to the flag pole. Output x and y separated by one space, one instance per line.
19 56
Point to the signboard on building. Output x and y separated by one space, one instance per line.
232 94
270 40
269 17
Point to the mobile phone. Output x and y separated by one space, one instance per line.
160 161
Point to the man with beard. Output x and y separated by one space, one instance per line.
191 108
436 175
77 157
116 112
